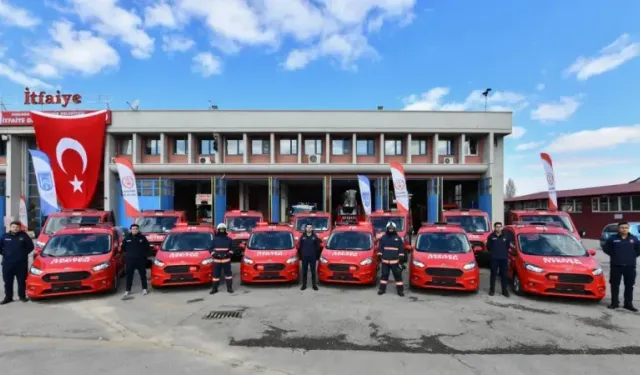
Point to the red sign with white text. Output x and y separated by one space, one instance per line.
74 145
23 118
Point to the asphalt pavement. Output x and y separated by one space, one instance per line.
336 330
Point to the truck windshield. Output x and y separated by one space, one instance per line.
270 241
551 244
188 241
81 244
242 224
380 223
565 221
55 223
349 241
470 224
156 224
440 242
318 223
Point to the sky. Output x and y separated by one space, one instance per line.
568 70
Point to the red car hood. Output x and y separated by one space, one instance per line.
562 264
239 235
66 264
475 236
182 257
346 256
444 259
155 237
270 256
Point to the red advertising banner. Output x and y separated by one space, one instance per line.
23 118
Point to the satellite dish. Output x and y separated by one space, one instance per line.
134 105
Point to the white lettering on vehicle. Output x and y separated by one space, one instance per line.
270 253
442 256
474 237
185 254
71 260
344 254
561 260
155 237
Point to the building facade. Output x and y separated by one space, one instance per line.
591 209
270 160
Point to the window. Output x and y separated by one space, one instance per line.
259 147
393 147
313 146
419 147
289 147
180 146
341 147
235 147
616 204
625 203
365 147
445 147
125 147
207 147
635 203
471 147
595 207
604 204
152 147
571 205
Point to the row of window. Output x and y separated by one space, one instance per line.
616 204
289 146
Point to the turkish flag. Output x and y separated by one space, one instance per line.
74 145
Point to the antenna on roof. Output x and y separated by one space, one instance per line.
212 106
134 105
486 96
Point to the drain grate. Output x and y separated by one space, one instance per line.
223 315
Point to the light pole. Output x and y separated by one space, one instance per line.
486 96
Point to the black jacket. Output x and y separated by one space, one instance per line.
309 246
622 252
135 247
391 247
498 245
222 246
15 248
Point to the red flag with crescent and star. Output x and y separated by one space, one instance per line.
74 145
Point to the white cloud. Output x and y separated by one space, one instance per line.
346 49
540 86
15 16
589 140
45 70
176 43
517 132
557 111
609 58
21 78
529 146
160 14
110 20
433 100
73 51
206 64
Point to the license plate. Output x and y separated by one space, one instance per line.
570 287
444 280
180 277
65 286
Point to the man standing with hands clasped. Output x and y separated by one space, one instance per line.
622 249
15 248
309 248
498 244
135 247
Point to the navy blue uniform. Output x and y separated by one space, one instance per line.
221 253
622 254
135 248
309 248
391 250
498 246
15 249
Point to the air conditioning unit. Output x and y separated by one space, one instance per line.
448 160
314 159
204 160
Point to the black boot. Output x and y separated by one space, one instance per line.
214 290
381 292
315 286
229 289
629 306
401 291
505 293
613 305
6 300
303 287
492 293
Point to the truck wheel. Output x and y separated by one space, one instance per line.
517 285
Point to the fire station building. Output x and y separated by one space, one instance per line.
207 162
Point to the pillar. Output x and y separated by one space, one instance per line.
382 148
354 145
246 148
436 138
219 143
14 176
135 157
326 193
274 199
191 148
164 155
484 198
327 148
272 148
377 187
300 145
110 179
220 199
385 193
461 149
408 148
241 195
432 200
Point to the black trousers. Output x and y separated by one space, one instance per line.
309 264
498 267
133 265
16 271
616 276
397 275
218 269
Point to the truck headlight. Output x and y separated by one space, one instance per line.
366 262
418 263
158 262
292 260
296 238
246 260
533 268
207 261
40 244
597 271
35 271
323 260
101 266
469 266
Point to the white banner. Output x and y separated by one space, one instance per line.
400 187
551 180
365 193
128 186
24 219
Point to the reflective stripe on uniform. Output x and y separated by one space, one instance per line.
390 261
221 249
391 248
399 283
383 281
228 277
221 260
214 279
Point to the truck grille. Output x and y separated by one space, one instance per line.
446 272
66 276
476 244
341 267
574 278
181 269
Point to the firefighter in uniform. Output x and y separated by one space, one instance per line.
221 253
391 250
622 249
